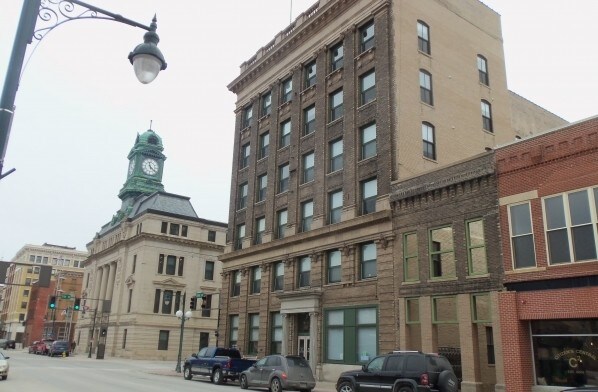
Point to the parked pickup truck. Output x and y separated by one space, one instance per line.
220 364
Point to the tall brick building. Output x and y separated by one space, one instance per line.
548 192
351 97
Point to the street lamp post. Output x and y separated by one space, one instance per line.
183 317
146 58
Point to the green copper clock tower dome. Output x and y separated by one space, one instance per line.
146 165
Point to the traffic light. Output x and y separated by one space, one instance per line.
52 303
193 303
103 331
204 302
77 305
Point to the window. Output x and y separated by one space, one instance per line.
483 70
366 37
429 140
309 120
336 155
285 134
425 87
487 116
25 293
570 226
367 85
211 236
335 203
181 266
444 310
307 212
262 183
157 297
260 228
442 257
167 302
304 270
130 301
208 273
336 105
310 74
278 278
423 37
256 280
184 230
334 266
276 333
254 333
164 228
336 57
368 261
236 284
490 346
410 257
124 338
281 223
206 305
163 340
476 247
243 189
234 331
174 229
351 335
264 144
240 236
170 265
522 236
245 151
283 178
369 193
24 305
368 141
308 167
287 90
247 116
266 104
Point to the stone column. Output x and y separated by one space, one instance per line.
285 334
97 284
428 330
468 340
105 272
313 340
111 278
402 325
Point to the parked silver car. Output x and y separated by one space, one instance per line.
278 373
4 366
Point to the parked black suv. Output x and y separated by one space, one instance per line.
411 371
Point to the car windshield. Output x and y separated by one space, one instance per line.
297 361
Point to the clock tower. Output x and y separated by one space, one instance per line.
146 164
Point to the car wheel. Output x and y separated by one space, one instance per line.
187 373
217 376
447 381
4 377
275 385
345 386
305 390
243 382
404 388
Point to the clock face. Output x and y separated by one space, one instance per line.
149 166
131 167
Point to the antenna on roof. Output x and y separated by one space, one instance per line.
291 13
151 124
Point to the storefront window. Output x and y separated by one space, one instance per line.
566 352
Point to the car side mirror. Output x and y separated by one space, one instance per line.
6 357
364 368
194 355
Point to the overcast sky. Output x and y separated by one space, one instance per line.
80 107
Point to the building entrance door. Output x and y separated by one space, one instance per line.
304 347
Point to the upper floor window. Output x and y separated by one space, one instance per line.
243 189
285 134
570 224
336 206
487 116
303 272
240 235
309 120
336 105
247 116
308 167
336 57
522 236
425 87
236 284
476 247
369 193
208 273
262 186
423 37
368 261
483 70
429 140
368 141
260 228
174 229
287 90
266 104
366 34
264 144
278 276
170 268
307 213
281 223
442 256
256 279
367 86
336 155
333 266
211 236
310 74
245 151
410 257
283 178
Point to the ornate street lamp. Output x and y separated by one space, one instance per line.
146 58
183 317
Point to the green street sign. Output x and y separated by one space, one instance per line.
199 294
65 296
